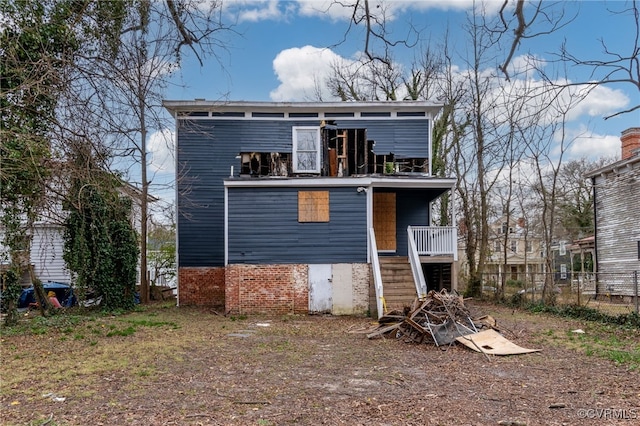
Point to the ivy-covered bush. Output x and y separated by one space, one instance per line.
100 246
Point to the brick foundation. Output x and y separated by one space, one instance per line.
271 289
201 286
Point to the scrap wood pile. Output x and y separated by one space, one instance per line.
442 318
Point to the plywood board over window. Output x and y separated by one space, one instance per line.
313 206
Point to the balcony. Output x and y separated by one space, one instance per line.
435 240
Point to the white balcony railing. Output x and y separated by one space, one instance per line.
416 267
436 240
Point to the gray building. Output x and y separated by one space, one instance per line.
616 190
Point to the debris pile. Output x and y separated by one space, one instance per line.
442 318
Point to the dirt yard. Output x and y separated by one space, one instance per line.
184 366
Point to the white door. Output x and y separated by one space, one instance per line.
320 295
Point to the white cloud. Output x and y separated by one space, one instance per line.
594 146
302 72
600 101
263 10
259 10
160 146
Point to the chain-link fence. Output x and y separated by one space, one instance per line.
614 294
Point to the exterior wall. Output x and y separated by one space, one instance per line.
201 286
350 287
207 148
617 197
284 289
412 209
264 227
203 159
47 248
271 289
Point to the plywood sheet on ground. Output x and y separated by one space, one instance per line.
492 343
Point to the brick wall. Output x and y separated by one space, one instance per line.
362 281
201 287
272 289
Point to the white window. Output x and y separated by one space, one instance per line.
529 246
563 248
306 149
563 271
514 246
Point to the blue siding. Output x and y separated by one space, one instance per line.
262 135
206 151
412 208
208 148
405 138
264 227
204 160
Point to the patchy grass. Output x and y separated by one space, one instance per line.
166 365
614 343
613 338
80 350
627 319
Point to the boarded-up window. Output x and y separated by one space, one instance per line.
313 206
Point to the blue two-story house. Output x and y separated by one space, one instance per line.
309 207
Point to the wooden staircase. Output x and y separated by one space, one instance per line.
397 282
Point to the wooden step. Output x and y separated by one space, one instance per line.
393 259
397 281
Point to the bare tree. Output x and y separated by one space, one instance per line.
615 67
481 153
377 41
546 150
100 81
575 197
365 80
526 20
123 91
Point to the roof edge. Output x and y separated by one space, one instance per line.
204 105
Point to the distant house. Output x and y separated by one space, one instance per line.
616 190
293 207
524 259
47 244
561 258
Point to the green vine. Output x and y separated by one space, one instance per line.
10 292
101 248
100 243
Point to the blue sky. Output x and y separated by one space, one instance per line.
282 47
